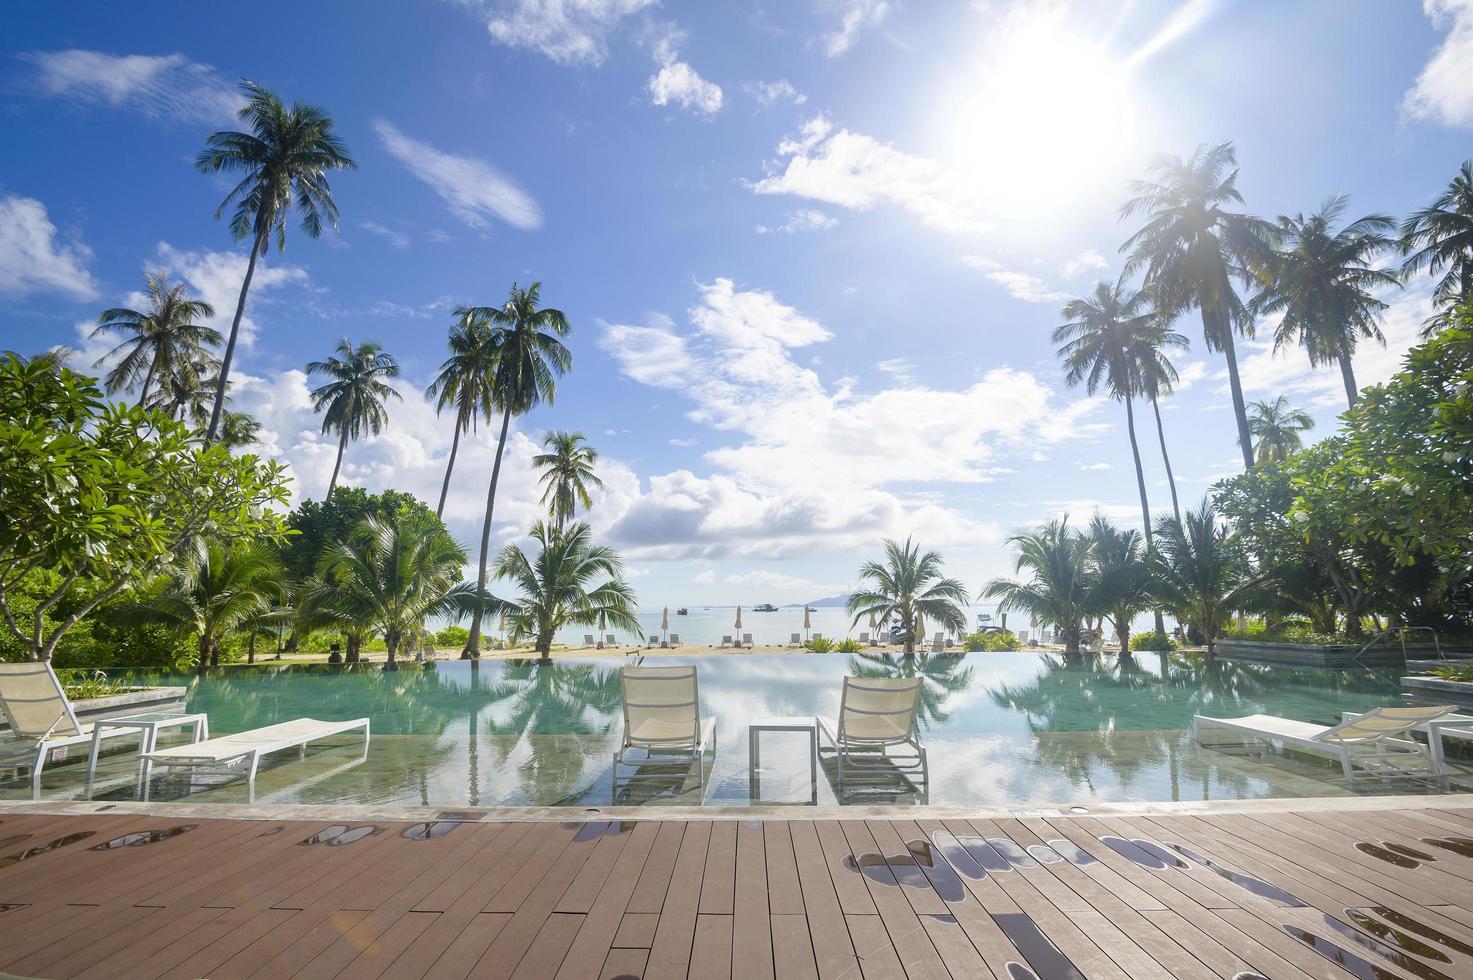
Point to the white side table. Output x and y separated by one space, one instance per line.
148 728
781 723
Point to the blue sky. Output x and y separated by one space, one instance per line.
812 251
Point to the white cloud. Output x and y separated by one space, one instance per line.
31 257
1083 262
899 368
704 578
1444 90
855 17
397 239
770 93
677 83
858 172
685 443
567 31
804 219
1020 285
164 86
474 190
215 277
767 578
1096 466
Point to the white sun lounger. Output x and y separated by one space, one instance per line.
587 640
747 640
1376 742
246 749
609 640
875 713
796 641
662 718
675 639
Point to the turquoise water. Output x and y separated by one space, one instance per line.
1000 728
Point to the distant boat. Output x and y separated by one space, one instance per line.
764 607
682 611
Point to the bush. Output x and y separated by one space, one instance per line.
819 644
991 641
80 685
847 645
452 636
1291 631
1462 673
1151 643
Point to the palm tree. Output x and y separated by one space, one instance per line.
1440 237
217 589
164 335
1122 579
1191 248
355 396
1060 579
239 429
908 586
1276 429
187 390
465 381
1158 377
1320 280
557 587
1200 570
530 358
567 474
285 159
387 577
544 700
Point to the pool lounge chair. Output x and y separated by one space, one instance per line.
245 750
662 719
874 715
41 718
1376 743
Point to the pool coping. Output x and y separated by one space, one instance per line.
567 814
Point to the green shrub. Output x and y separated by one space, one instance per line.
1462 673
847 645
452 636
80 684
991 641
820 644
1151 643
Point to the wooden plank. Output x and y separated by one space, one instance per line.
670 952
751 927
594 874
711 951
877 957
607 920
442 936
792 948
833 953
198 954
109 959
718 882
637 930
784 895
654 879
33 958
624 964
1225 947
545 954
479 931
907 934
380 954
853 895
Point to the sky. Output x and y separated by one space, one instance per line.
812 251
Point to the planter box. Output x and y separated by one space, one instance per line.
1336 656
1435 690
143 701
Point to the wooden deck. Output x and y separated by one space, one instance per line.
747 899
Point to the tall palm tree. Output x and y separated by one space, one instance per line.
1122 579
387 578
217 589
285 159
1192 247
567 474
165 334
187 390
1158 377
1200 571
1440 237
530 358
1320 280
1277 429
557 586
354 398
908 586
1060 579
465 382
239 429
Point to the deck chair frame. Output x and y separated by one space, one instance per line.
869 753
673 749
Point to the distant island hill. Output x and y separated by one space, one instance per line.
830 602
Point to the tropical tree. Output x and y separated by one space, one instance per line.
285 159
1439 238
187 390
354 398
1191 247
239 429
1122 577
1158 377
218 589
570 581
164 335
908 586
530 358
387 577
1200 571
1060 579
1321 279
542 700
1277 429
465 382
567 473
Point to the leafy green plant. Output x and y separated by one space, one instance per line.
847 645
991 641
1152 643
80 684
452 636
1462 673
820 644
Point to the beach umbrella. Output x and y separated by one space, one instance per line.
602 625
872 630
738 624
920 634
664 622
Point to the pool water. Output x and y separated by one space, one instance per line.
999 728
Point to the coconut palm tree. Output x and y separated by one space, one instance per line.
1122 578
187 390
388 577
569 582
239 429
285 159
567 474
465 382
1192 247
1277 429
1320 280
1060 579
217 589
908 585
1439 238
1199 570
1158 377
354 398
530 358
165 334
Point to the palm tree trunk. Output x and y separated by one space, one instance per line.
251 648
342 445
473 642
1165 458
204 656
391 644
147 380
1140 484
245 287
450 465
1240 408
1347 374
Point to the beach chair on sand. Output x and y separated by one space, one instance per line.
818 636
609 640
725 640
938 643
864 639
875 641
1377 743
674 640
662 719
747 640
796 641
875 714
587 640
246 749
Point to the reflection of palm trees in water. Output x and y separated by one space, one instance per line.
945 674
548 708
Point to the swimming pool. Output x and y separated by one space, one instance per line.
1000 728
